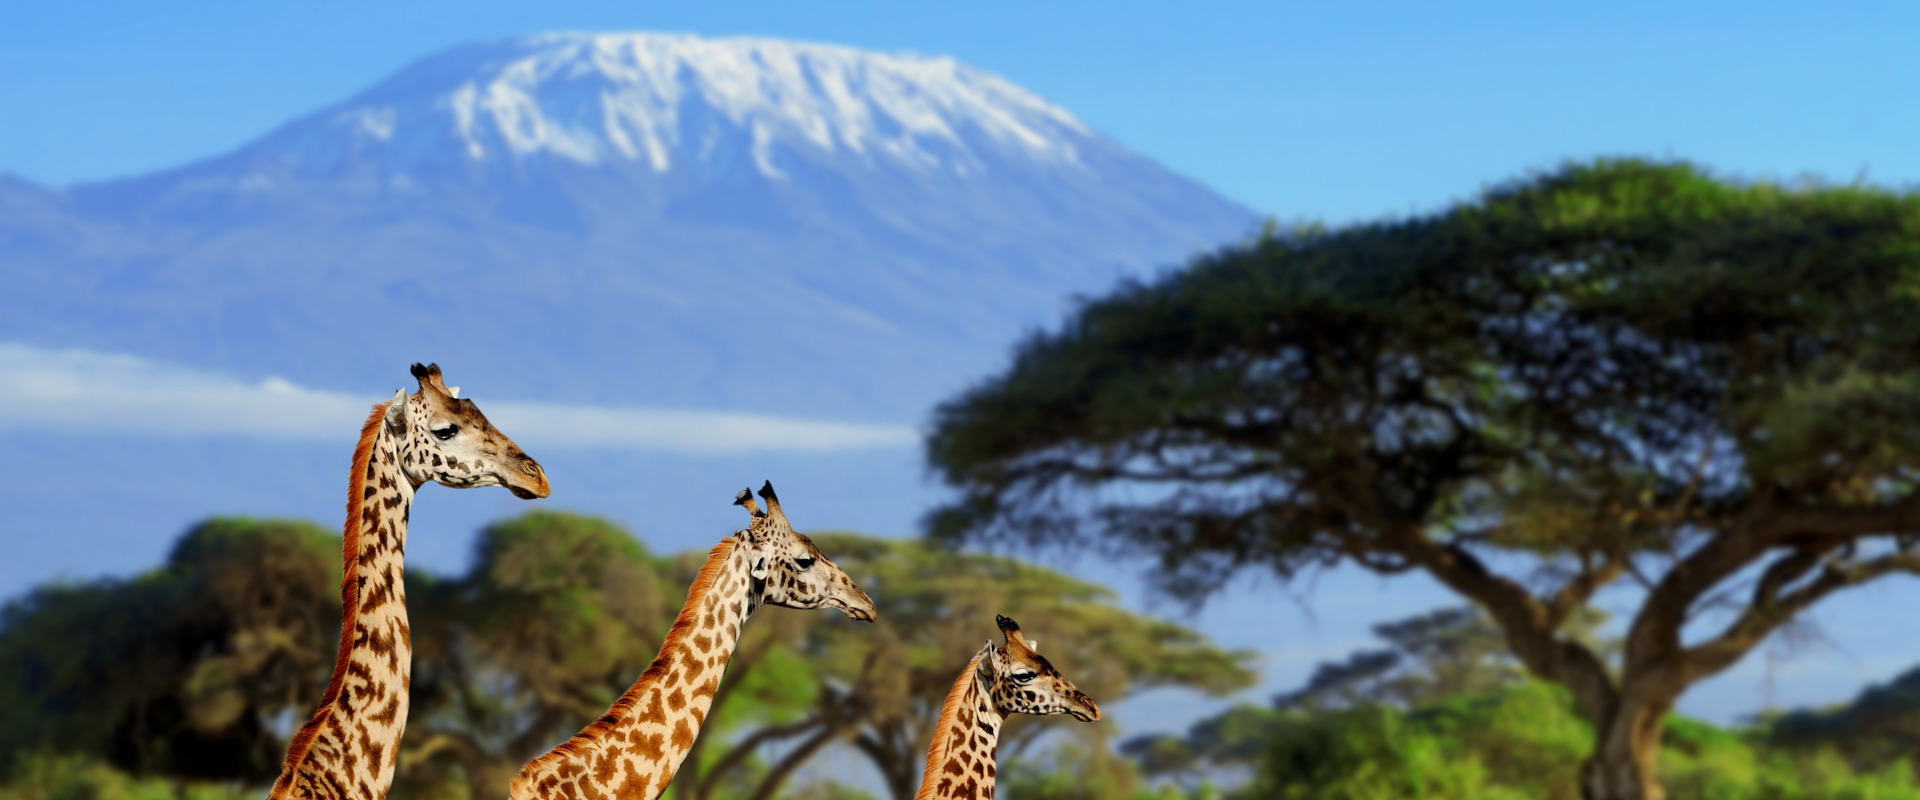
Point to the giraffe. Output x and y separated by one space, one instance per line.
997 682
347 750
633 751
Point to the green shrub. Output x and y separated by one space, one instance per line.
42 776
1527 742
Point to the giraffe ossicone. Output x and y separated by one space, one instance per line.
1000 680
633 751
347 749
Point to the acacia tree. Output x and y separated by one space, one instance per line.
1620 371
178 671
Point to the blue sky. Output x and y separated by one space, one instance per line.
1328 111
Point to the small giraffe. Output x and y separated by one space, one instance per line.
998 681
347 750
634 751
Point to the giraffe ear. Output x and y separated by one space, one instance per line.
1034 645
453 391
759 570
396 418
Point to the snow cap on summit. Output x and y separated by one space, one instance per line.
668 101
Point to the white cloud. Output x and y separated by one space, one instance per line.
78 390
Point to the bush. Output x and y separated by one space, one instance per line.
1526 742
43 776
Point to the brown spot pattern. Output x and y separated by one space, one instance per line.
347 749
649 730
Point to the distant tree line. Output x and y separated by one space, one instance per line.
197 671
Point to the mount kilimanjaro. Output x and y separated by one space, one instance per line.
643 219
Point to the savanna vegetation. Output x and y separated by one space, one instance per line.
1620 373
184 682
1442 711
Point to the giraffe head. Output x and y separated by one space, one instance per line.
1023 682
447 440
788 570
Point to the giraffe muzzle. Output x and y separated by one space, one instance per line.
531 483
861 607
1084 709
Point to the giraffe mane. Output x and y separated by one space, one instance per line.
349 599
683 627
937 753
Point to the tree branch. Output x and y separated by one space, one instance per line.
1836 523
784 770
744 748
1773 606
423 748
1580 588
1655 634
898 785
1532 629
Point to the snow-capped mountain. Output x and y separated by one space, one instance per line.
673 101
620 227
737 224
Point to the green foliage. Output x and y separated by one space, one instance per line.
1361 753
567 592
1431 659
1070 771
1513 740
1526 742
1879 727
1556 352
1701 762
1526 737
178 669
43 776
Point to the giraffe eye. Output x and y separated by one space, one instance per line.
1023 677
804 562
446 433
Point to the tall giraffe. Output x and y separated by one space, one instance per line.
347 750
1013 679
634 751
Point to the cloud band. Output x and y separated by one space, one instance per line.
81 390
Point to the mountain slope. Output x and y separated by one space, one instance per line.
745 224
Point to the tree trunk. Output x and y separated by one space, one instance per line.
901 784
1625 760
897 769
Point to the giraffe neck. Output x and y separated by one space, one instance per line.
348 749
634 751
961 759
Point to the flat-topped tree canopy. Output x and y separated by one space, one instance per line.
1620 368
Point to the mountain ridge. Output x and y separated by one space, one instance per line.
820 231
